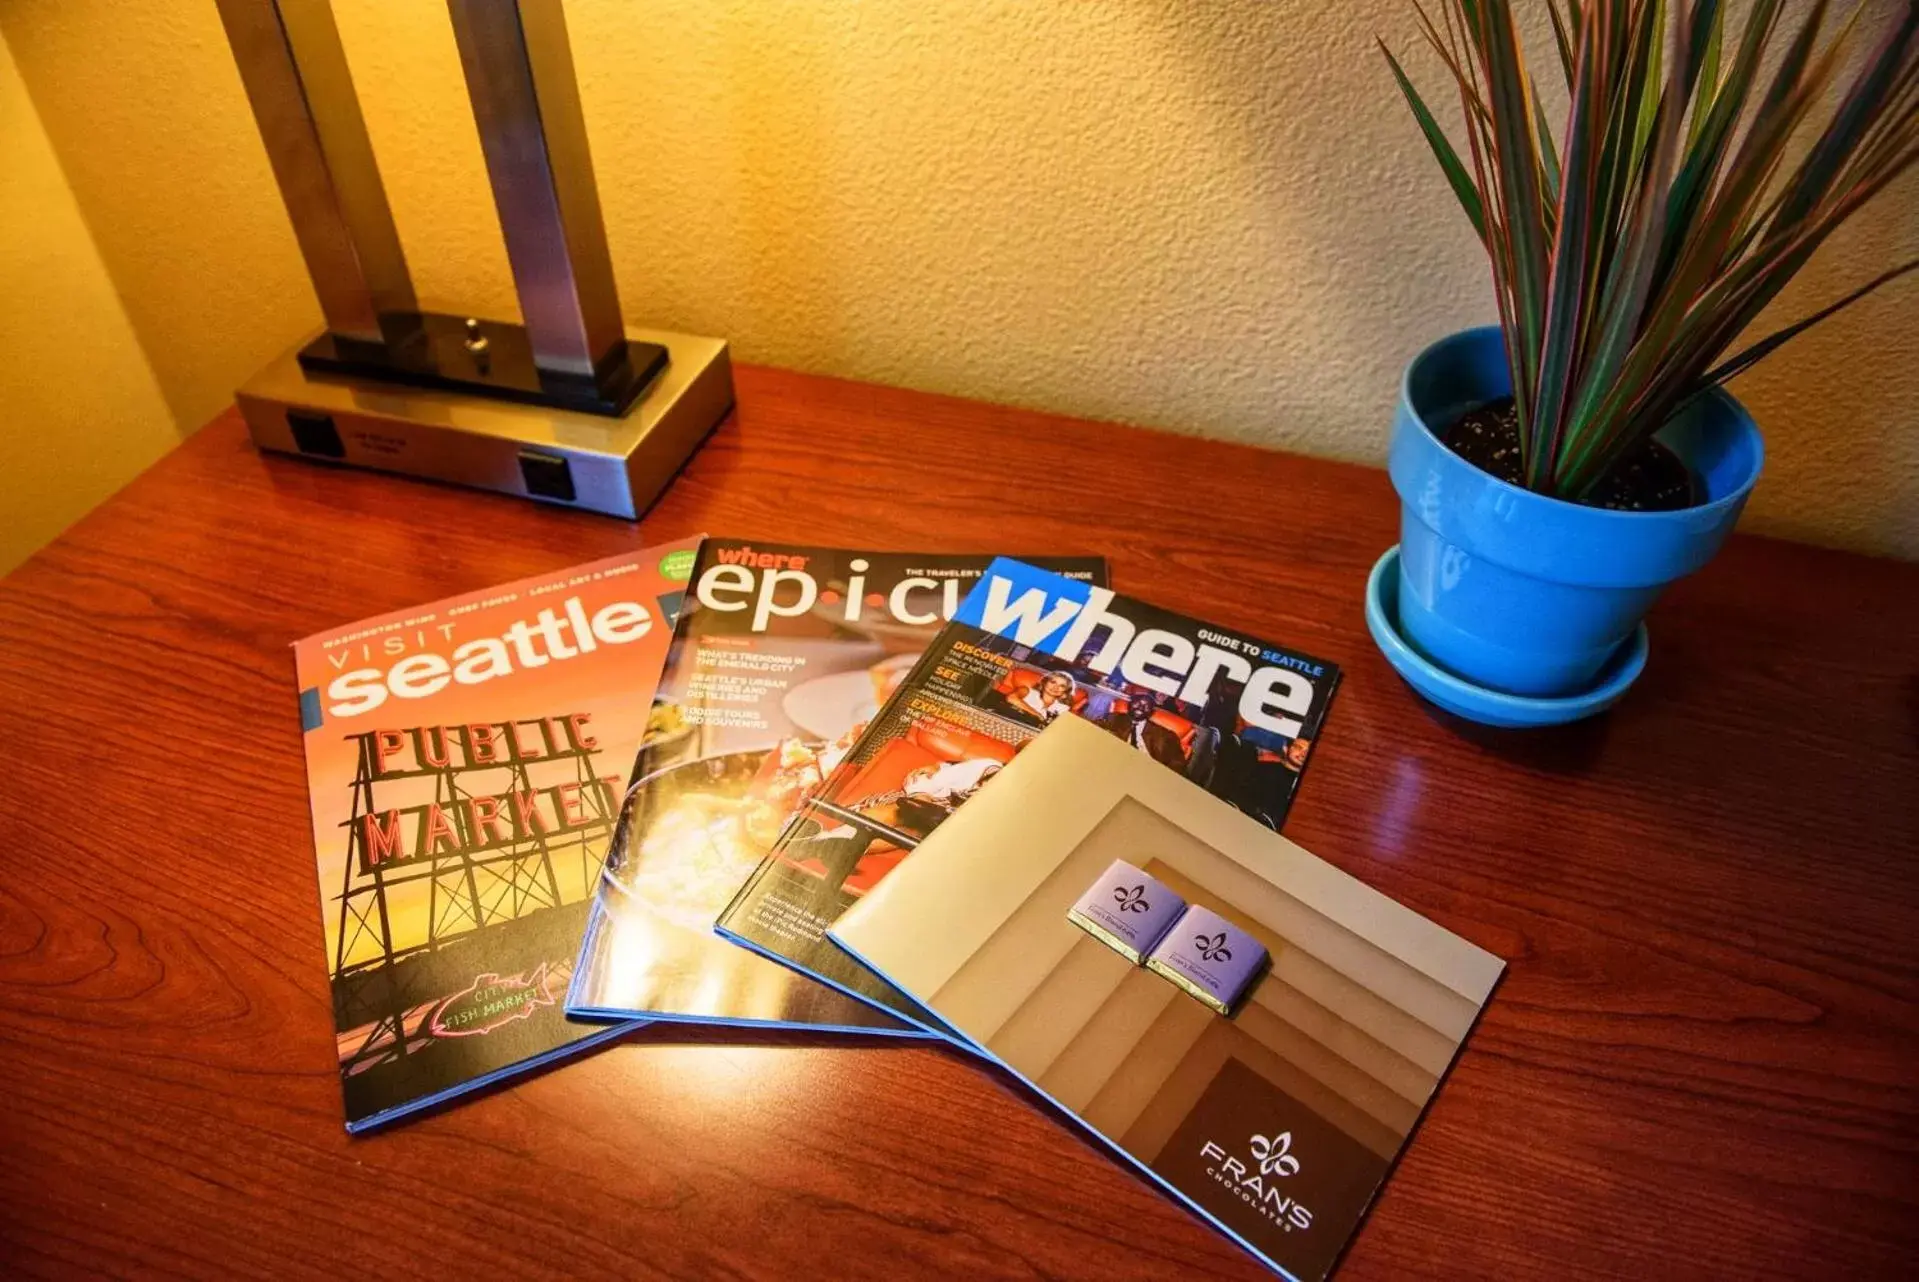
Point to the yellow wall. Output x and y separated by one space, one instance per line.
1205 215
80 413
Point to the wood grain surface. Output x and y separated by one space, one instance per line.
1704 1060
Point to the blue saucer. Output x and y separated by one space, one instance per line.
1480 703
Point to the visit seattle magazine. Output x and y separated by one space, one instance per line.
465 761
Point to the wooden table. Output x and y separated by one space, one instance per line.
1702 1061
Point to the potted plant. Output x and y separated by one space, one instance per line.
1558 470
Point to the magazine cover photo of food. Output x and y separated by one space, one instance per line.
781 656
977 696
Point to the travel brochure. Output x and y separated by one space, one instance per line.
1248 1025
464 764
926 795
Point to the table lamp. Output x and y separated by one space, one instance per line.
568 408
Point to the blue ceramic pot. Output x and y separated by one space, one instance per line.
1527 594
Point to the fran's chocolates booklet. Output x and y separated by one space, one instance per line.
781 656
1234 714
465 761
1253 1028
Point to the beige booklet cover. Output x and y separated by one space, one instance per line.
1277 1117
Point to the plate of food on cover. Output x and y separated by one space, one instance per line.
668 734
705 825
825 706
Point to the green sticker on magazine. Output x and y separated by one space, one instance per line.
677 566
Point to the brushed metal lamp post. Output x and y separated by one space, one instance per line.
570 407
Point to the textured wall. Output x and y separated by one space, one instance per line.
80 413
1211 216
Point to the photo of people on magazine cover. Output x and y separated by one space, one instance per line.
915 768
1211 745
1208 744
884 824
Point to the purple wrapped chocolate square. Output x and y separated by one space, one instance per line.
1209 957
1127 911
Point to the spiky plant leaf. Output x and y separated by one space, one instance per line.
1442 147
1630 255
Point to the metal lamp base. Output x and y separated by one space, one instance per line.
569 458
484 358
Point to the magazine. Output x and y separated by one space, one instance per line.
1235 714
1256 1030
464 766
781 656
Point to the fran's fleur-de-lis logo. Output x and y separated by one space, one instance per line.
1213 947
1131 899
1272 1154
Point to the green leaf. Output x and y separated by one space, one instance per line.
1773 342
1548 162
1683 258
1706 76
1561 41
1649 83
1509 99
1859 109
1442 149
1632 252
1630 270
1566 300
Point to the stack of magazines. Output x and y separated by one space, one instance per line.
977 799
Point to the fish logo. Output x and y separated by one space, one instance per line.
491 1002
1213 947
1132 899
